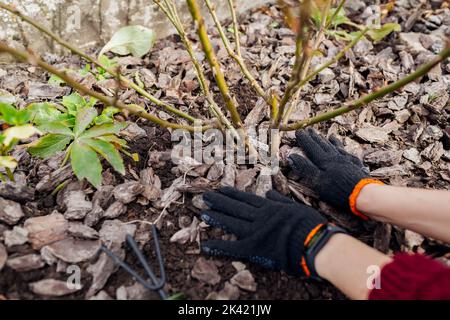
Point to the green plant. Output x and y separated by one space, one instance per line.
336 17
16 127
135 40
98 72
82 133
102 73
311 22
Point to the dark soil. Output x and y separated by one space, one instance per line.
180 258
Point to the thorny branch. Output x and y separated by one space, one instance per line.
302 53
213 62
350 106
236 55
108 101
314 73
306 46
307 64
170 10
237 39
85 56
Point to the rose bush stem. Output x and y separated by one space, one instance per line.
85 56
350 106
108 101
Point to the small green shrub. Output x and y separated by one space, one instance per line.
15 127
82 133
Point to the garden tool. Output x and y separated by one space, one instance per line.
154 283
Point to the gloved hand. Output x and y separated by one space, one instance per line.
274 232
335 175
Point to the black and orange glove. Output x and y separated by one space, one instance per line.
335 175
274 232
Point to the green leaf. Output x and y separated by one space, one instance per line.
91 102
114 140
73 102
85 71
107 62
55 80
85 164
104 129
49 145
177 296
342 34
107 151
8 162
45 112
107 116
19 133
56 128
135 40
340 17
384 31
12 116
103 119
85 117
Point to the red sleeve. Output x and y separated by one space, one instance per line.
413 277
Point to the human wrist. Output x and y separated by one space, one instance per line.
355 197
367 199
324 260
345 262
313 246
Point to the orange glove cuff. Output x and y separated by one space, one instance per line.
355 193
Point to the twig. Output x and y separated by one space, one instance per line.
335 59
338 9
305 69
302 53
350 106
171 12
237 55
240 134
289 18
214 63
237 40
85 56
313 74
108 101
117 89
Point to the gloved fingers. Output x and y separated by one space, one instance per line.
340 148
264 262
320 141
276 196
233 225
222 203
312 150
355 160
224 248
249 198
303 167
336 142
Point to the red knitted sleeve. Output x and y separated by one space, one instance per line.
413 277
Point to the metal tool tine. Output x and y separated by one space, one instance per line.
157 284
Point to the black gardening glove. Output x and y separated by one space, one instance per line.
330 171
271 232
